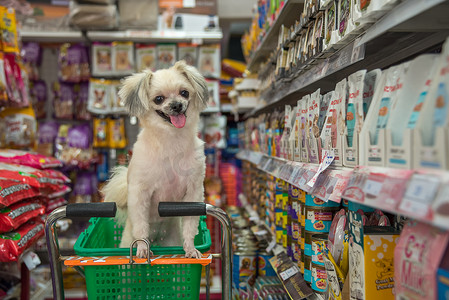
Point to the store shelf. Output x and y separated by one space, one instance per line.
409 29
287 16
197 37
418 194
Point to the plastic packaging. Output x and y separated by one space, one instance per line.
146 57
13 191
17 214
19 127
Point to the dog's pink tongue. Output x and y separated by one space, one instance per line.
179 121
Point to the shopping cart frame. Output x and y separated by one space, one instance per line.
165 209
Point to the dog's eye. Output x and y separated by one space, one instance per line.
159 99
184 94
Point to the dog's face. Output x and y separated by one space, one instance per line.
166 99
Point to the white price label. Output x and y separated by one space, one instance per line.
271 245
289 273
421 192
327 158
372 187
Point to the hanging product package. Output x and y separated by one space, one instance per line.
13 191
30 159
100 133
47 133
101 59
123 58
20 127
116 128
63 100
82 91
31 53
38 94
146 57
17 214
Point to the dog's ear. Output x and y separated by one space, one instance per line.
196 80
134 92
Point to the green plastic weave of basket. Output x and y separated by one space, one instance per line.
102 238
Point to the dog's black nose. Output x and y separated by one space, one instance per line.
176 106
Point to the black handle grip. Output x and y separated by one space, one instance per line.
101 209
181 209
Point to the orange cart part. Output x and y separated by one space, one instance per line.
176 259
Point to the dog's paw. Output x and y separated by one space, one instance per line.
193 253
142 250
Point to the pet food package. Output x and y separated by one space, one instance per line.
73 63
19 127
117 104
102 59
407 110
443 277
431 133
324 105
371 260
138 14
30 159
13 243
47 133
123 58
215 132
99 96
330 26
213 88
293 138
91 17
38 95
166 55
354 118
346 26
146 57
417 257
370 11
116 128
17 214
63 100
84 188
313 133
286 132
298 124
371 80
334 125
101 139
31 53
209 63
384 101
4 101
16 88
188 53
8 27
14 191
82 92
303 128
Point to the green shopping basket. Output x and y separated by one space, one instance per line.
137 281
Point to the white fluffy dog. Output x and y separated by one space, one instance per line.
168 162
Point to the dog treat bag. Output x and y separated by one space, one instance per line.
17 214
8 26
14 191
20 127
166 55
38 94
47 133
30 159
82 91
188 53
117 104
146 57
70 60
209 61
123 58
101 59
31 53
63 100
12 244
416 260
354 114
99 96
116 128
3 88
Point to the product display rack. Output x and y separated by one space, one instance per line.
411 28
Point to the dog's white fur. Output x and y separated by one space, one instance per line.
168 163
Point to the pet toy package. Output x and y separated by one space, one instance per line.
209 61
431 133
38 95
166 55
31 53
405 114
188 53
417 257
101 59
146 57
19 127
371 260
8 27
63 100
123 58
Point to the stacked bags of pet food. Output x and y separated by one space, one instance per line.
29 189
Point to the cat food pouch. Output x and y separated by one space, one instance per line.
294 134
330 25
354 114
416 258
146 57
370 83
303 128
122 58
101 59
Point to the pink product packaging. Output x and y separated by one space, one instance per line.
416 258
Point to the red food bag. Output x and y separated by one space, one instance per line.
13 191
13 216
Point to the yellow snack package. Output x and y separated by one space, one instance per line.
8 28
116 128
100 133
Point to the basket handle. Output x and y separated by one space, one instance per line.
101 209
181 209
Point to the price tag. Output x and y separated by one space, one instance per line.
289 273
31 260
420 194
327 158
372 187
294 173
267 165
